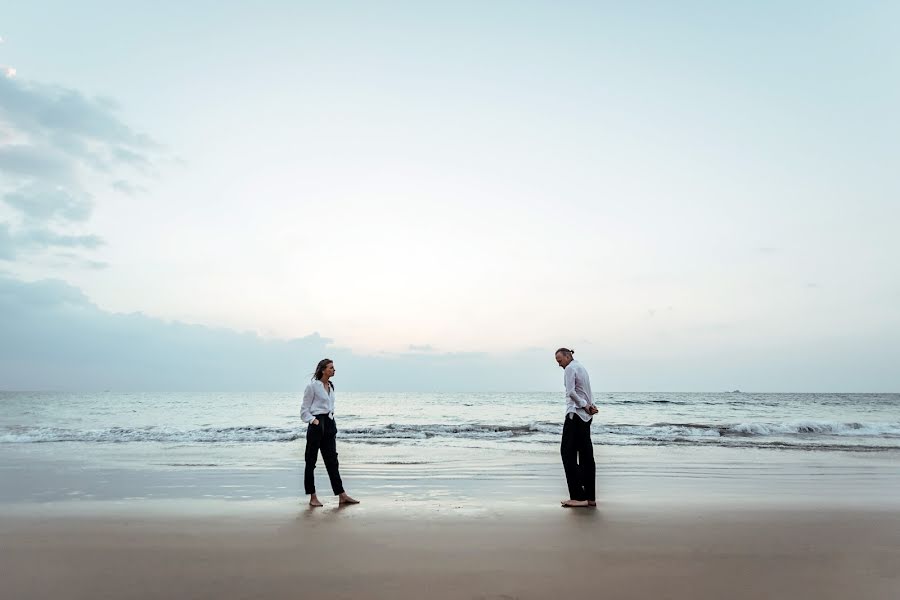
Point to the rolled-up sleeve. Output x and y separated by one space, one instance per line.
305 414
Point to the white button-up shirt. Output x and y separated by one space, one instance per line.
316 401
578 390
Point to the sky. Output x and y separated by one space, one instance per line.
696 197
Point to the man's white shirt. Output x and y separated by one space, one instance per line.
578 390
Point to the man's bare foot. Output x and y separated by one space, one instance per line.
575 503
345 499
592 503
314 502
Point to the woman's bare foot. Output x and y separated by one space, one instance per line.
590 502
345 499
313 501
575 503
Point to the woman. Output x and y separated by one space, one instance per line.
318 410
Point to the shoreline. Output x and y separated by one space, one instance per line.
470 477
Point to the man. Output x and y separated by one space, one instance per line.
576 448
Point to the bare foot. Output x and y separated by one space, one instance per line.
345 499
314 502
592 503
575 503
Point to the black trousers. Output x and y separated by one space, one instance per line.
578 458
322 437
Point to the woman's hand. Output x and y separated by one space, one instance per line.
315 422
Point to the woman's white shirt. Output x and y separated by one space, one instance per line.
316 401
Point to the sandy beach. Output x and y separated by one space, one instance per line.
373 552
92 509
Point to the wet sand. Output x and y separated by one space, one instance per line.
376 551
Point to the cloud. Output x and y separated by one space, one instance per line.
44 238
32 163
54 139
7 70
135 159
71 257
54 337
17 295
423 348
127 188
54 112
41 202
7 246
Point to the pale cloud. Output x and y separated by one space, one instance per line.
7 70
7 246
97 265
40 202
68 258
18 295
127 188
55 141
421 348
54 112
46 238
29 162
55 337
131 157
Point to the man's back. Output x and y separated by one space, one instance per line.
578 390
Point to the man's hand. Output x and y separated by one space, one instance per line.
593 410
315 422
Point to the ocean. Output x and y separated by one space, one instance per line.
57 446
809 422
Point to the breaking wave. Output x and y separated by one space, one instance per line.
808 434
